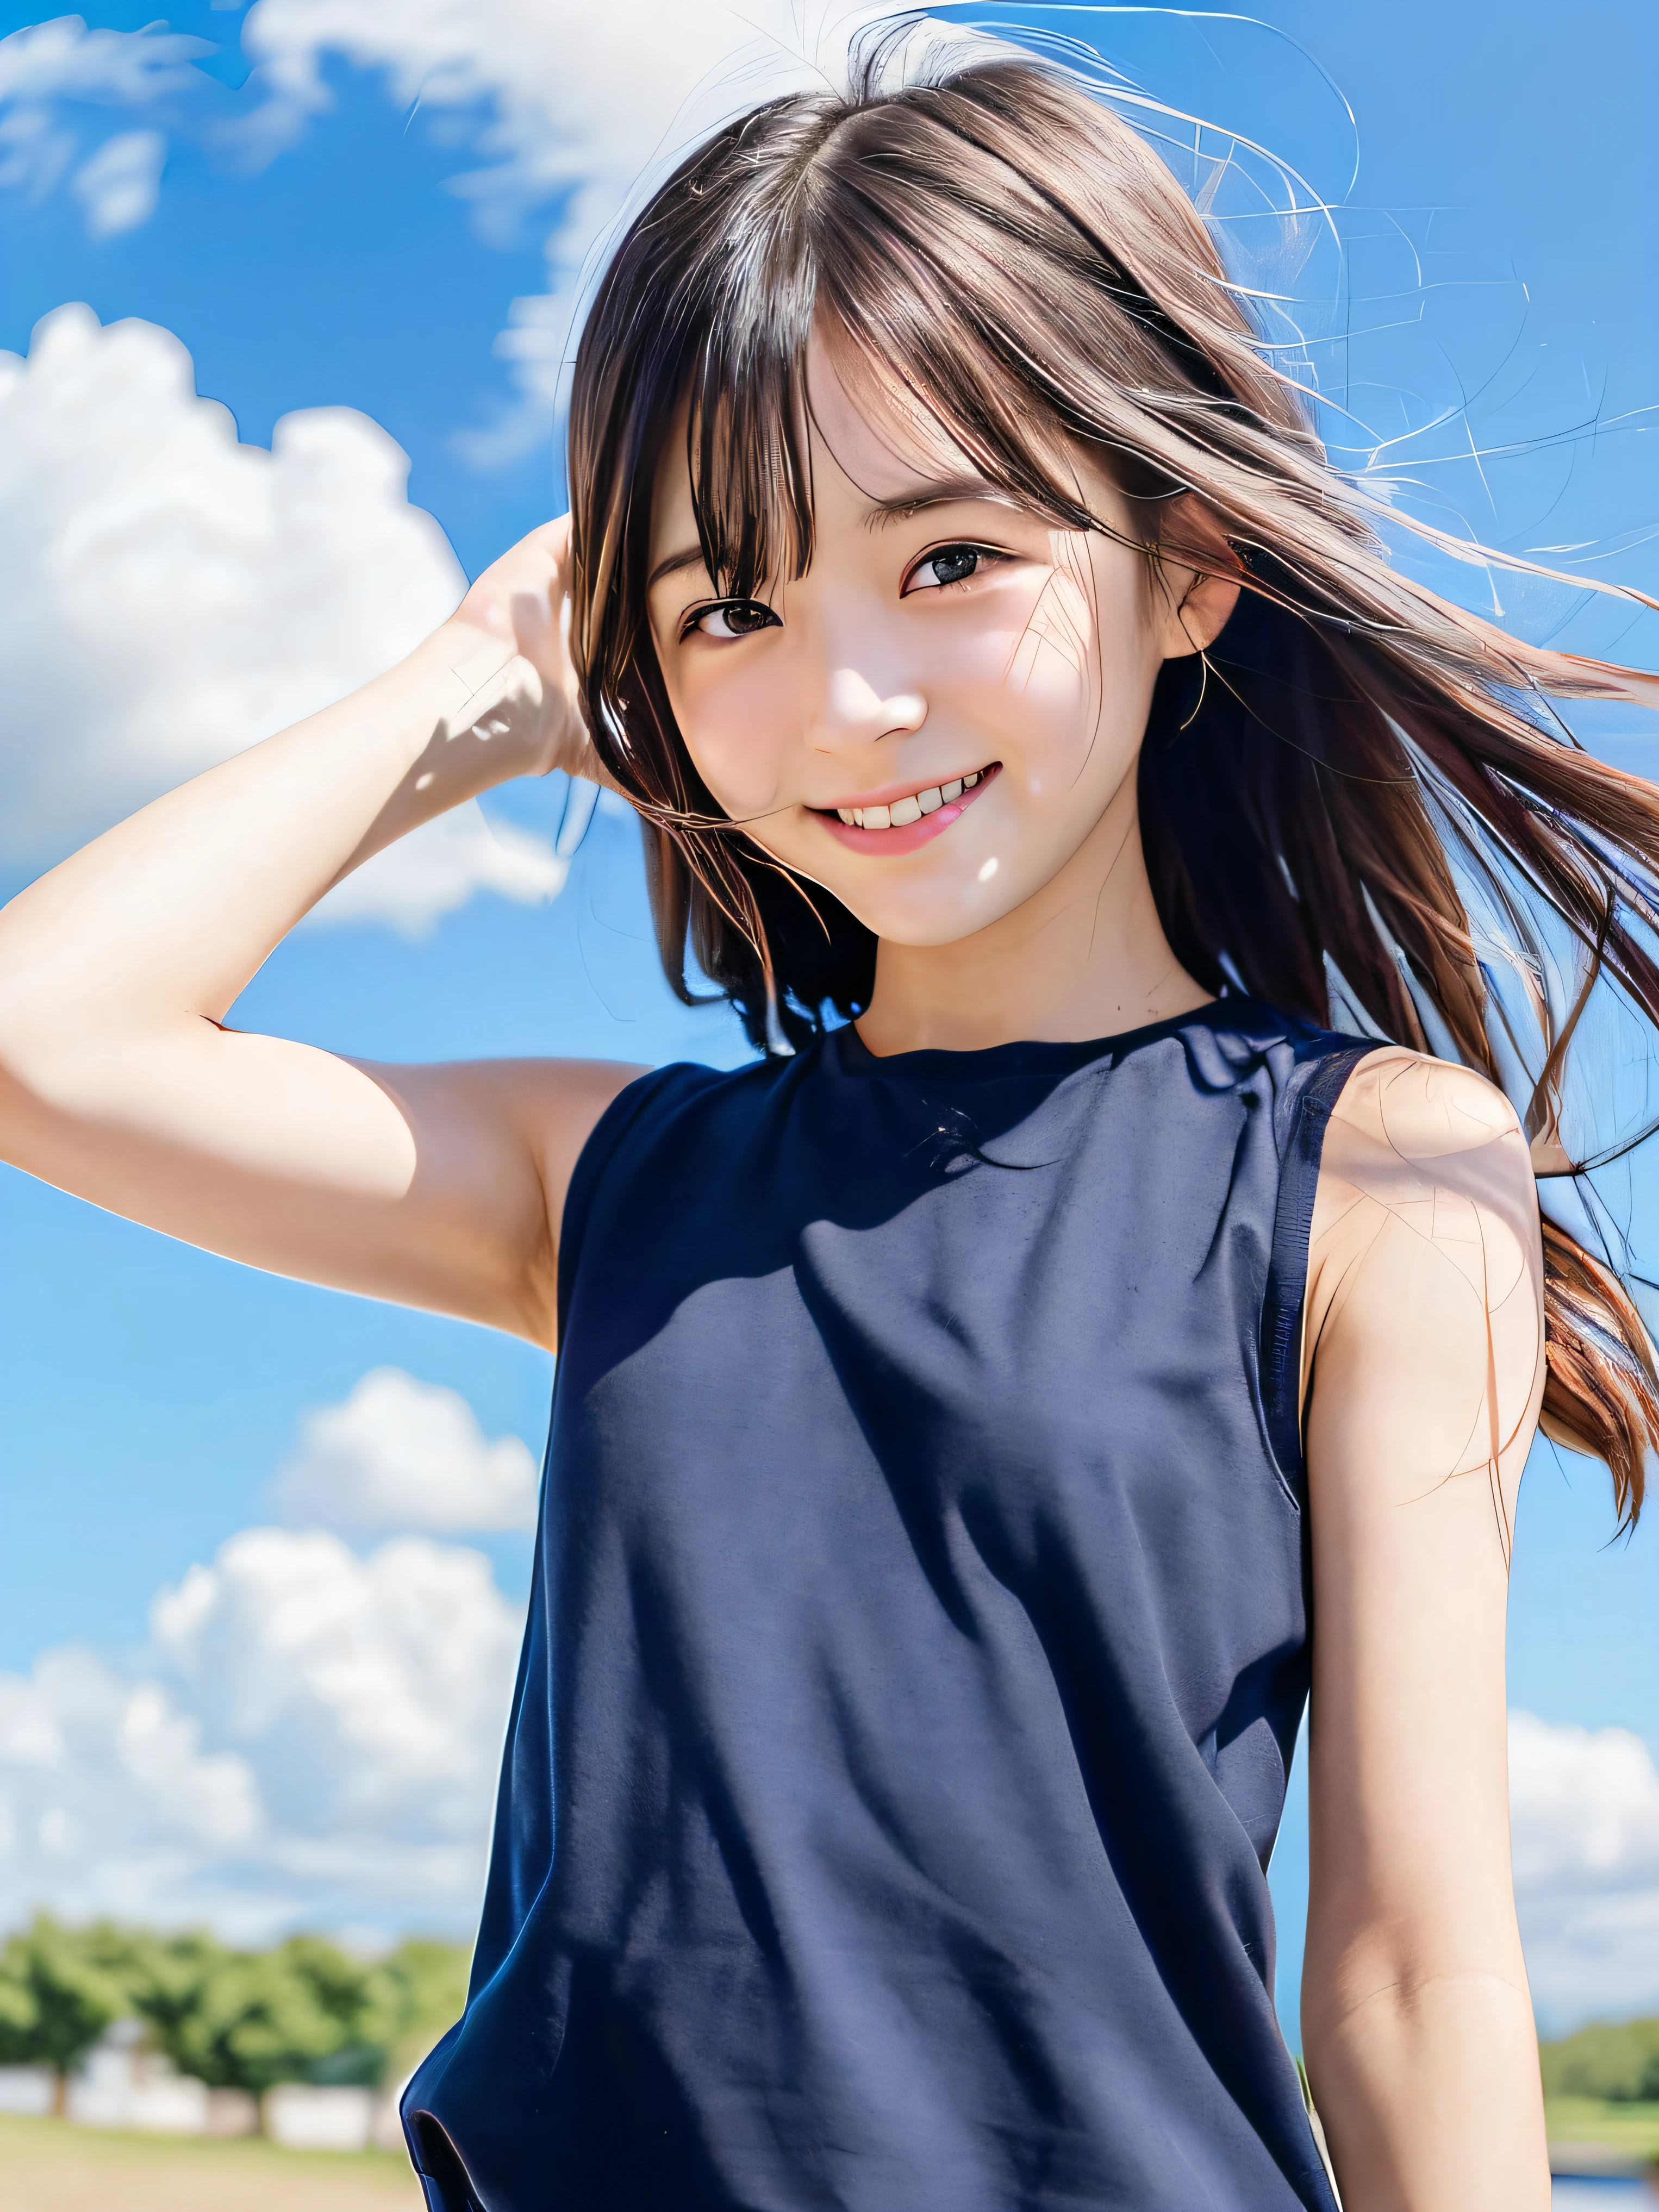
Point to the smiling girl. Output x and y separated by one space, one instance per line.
964 1412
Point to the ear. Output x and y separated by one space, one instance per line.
1198 578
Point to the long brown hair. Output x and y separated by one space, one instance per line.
1356 761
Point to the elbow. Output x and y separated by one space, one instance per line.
58 1067
1396 1998
30 1105
1428 2089
1385 2039
25 1048
34 1038
68 1031
34 1021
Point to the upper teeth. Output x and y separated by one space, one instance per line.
903 811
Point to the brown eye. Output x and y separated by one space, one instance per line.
735 618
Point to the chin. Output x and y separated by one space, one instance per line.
938 921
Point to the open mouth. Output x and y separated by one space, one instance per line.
912 818
903 811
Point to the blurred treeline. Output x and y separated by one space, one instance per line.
1619 2064
303 2011
306 2010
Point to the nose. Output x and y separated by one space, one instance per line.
853 712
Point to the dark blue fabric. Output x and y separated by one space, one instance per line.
918 1641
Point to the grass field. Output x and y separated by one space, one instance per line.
1632 2130
46 2165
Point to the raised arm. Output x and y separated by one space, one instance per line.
436 1186
1424 1344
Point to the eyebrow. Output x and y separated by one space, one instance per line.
915 499
941 491
688 556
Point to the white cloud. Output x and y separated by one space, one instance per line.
47 65
64 60
34 152
169 595
119 187
562 104
399 1454
312 1739
411 884
1585 1816
579 102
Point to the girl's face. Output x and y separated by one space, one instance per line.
936 719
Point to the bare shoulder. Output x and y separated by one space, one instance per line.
1425 1223
1425 1141
1407 1108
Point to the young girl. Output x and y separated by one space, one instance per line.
965 1412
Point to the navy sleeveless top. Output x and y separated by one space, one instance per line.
918 1641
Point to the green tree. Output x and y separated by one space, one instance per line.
305 2011
1618 2063
416 1992
17 2017
166 1975
60 1988
246 2019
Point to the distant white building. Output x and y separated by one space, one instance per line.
25 2091
301 2118
122 2084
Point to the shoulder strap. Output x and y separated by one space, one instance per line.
1304 1109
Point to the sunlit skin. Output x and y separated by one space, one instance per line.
1027 915
887 669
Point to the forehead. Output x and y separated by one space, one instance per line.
878 435
866 438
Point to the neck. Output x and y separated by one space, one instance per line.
1085 956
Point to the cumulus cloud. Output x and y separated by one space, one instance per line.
1585 1815
311 1739
169 595
399 1454
578 102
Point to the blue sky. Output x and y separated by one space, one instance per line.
1500 240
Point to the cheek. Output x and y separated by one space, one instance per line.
737 729
1074 683
1049 667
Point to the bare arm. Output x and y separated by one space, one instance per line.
439 1186
1425 1338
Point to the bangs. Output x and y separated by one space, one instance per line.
747 445
959 301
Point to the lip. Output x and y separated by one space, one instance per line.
895 843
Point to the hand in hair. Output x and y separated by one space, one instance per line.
1424 1325
519 608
